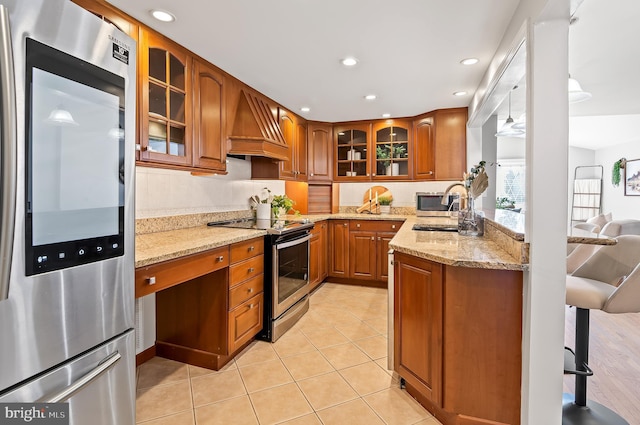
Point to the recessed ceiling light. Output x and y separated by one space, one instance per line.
349 61
386 115
459 93
305 109
162 15
469 61
370 97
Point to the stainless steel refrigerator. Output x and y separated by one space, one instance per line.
67 85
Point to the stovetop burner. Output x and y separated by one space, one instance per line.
273 227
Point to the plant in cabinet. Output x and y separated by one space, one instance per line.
399 151
383 154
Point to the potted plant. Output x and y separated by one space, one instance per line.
383 155
615 173
399 151
280 205
385 204
504 203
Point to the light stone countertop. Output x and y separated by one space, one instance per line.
154 248
452 249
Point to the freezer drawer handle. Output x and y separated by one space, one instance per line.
8 145
85 380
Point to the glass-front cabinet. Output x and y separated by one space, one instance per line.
352 152
166 103
391 143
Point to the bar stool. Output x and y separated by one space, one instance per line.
609 281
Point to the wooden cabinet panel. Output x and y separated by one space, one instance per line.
391 142
382 246
362 255
245 321
301 151
418 323
323 255
247 249
423 149
247 269
450 143
288 127
209 147
375 225
166 122
320 158
339 248
247 289
352 150
314 259
160 276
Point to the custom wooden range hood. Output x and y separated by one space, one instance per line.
256 131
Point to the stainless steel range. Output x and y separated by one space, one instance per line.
286 272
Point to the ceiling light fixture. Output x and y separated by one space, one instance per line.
61 117
576 94
162 15
305 109
507 129
521 123
386 115
459 93
370 97
349 61
469 61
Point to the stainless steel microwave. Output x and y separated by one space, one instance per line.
429 202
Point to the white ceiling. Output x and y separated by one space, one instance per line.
408 50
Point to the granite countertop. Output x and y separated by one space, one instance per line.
452 249
154 248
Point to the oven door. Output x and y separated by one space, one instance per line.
290 272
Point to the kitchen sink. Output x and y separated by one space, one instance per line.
435 228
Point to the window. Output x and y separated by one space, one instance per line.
510 181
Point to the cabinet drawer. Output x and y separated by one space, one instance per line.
245 321
242 250
163 275
247 269
375 225
240 293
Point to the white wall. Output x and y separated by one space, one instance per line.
613 198
352 194
579 157
163 192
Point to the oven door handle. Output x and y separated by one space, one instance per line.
297 241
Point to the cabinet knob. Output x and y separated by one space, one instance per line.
251 269
220 258
250 290
367 174
373 174
373 238
345 224
251 248
250 306
358 225
151 280
138 147
393 226
430 172
378 238
311 174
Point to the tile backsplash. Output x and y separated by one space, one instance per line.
351 194
163 192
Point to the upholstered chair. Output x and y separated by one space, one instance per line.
609 280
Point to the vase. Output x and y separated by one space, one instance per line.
392 170
470 221
263 212
385 209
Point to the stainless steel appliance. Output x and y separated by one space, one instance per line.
67 83
286 280
430 203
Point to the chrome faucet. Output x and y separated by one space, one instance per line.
444 200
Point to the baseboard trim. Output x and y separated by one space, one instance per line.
145 355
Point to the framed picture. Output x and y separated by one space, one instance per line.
632 178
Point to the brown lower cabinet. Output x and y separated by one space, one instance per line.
318 252
457 340
208 305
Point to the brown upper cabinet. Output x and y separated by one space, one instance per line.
209 149
165 94
109 14
450 143
351 152
294 130
424 149
319 147
392 143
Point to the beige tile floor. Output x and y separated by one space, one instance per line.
330 368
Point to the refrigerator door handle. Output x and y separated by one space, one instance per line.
83 381
8 145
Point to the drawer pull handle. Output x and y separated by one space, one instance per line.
220 258
251 269
151 280
378 238
250 290
251 248
250 306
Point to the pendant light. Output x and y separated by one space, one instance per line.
576 94
61 117
507 129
